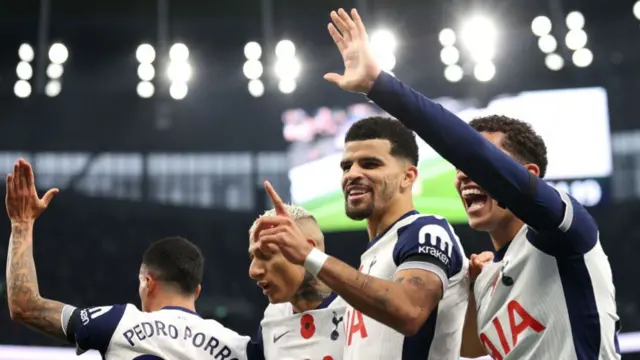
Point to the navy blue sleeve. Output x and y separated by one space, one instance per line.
530 198
578 232
93 327
255 347
429 243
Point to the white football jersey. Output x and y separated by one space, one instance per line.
550 295
122 332
415 241
314 335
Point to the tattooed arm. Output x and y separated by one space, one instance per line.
25 303
403 304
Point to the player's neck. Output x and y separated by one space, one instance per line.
379 223
173 301
310 294
505 232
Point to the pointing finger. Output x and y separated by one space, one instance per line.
281 208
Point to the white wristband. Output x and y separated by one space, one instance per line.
314 261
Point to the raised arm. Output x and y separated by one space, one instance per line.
527 196
26 305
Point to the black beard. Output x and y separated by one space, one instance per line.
358 214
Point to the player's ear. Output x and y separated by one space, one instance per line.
198 290
533 168
312 243
410 176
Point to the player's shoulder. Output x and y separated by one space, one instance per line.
425 228
419 220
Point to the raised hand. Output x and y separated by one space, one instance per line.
351 38
282 231
22 201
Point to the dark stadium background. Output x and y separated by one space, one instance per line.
88 244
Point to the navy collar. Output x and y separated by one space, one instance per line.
180 308
326 302
375 239
498 255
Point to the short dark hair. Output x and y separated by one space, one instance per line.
402 139
176 260
519 139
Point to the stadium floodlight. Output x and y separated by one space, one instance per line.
178 90
58 53
383 45
383 40
447 37
179 53
53 88
554 62
26 53
252 69
55 71
547 44
541 25
256 88
145 89
453 73
145 54
252 51
285 49
287 68
24 70
146 72
479 35
582 57
179 72
449 55
484 71
576 39
287 86
22 89
575 20
636 9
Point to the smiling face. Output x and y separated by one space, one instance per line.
483 212
373 177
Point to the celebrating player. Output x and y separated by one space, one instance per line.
549 292
304 318
409 300
170 277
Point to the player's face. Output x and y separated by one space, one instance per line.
278 278
483 211
371 177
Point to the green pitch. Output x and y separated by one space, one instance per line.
437 196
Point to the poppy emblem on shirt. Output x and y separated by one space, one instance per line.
307 326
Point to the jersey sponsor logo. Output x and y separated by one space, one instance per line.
278 337
87 315
519 321
439 245
355 326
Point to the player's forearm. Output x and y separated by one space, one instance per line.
382 300
505 179
25 303
471 346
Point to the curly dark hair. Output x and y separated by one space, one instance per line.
176 260
402 139
520 139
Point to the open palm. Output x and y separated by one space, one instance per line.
360 67
22 201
